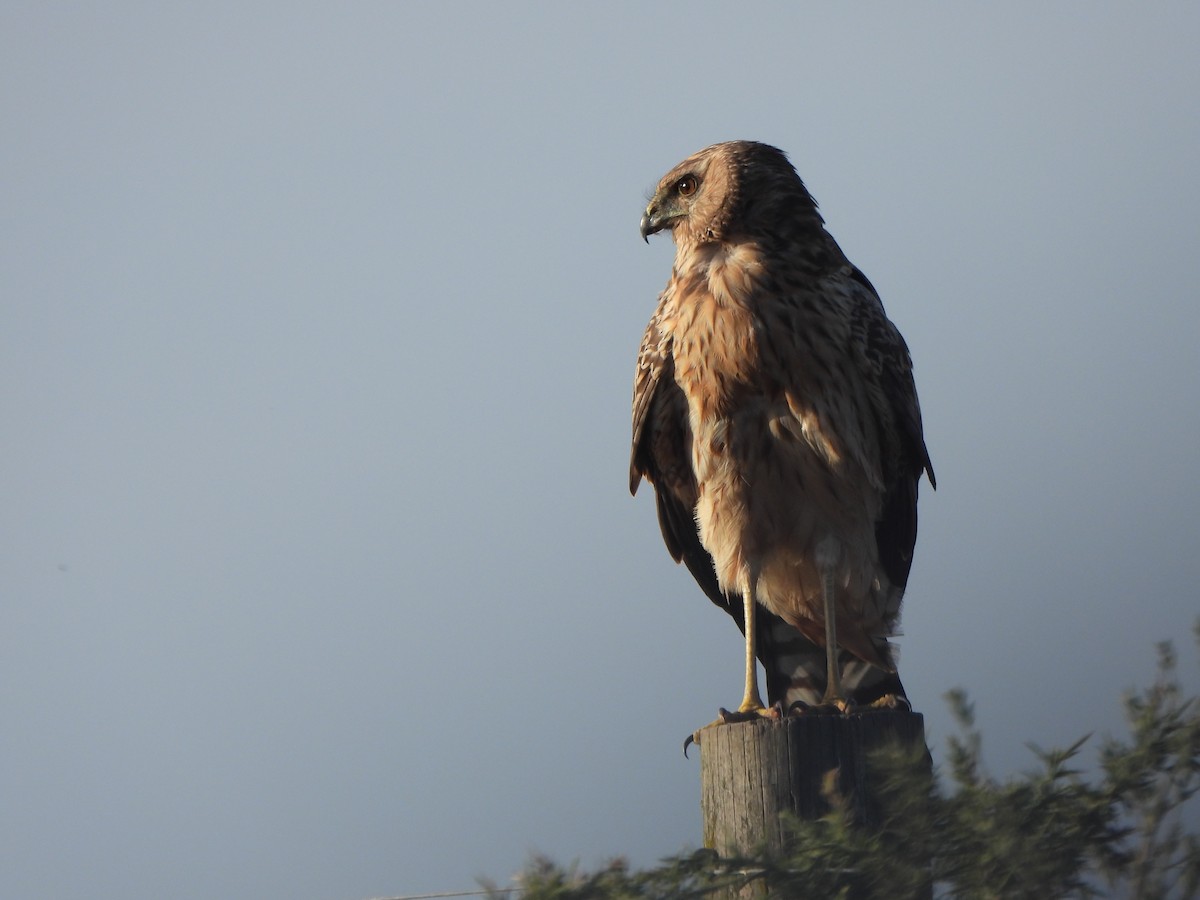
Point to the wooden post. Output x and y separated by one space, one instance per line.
750 772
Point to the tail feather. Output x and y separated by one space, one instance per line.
795 668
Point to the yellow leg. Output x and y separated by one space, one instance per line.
751 699
752 705
833 675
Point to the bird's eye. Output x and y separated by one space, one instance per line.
686 186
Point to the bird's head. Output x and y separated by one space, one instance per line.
726 191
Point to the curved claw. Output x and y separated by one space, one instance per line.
688 741
726 717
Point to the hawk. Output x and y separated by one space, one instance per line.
775 413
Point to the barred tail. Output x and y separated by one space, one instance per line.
795 668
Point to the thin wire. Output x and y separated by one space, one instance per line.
447 894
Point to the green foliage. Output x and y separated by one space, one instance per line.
1152 777
1049 833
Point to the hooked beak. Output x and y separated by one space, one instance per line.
652 222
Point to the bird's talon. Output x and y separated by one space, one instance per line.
729 717
835 706
889 703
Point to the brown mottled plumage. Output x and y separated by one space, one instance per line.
775 413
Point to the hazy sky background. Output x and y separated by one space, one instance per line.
320 576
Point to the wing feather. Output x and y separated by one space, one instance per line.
662 454
885 361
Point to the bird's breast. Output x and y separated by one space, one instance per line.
715 338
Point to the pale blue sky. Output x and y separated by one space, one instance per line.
318 323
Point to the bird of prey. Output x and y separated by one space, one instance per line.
775 413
